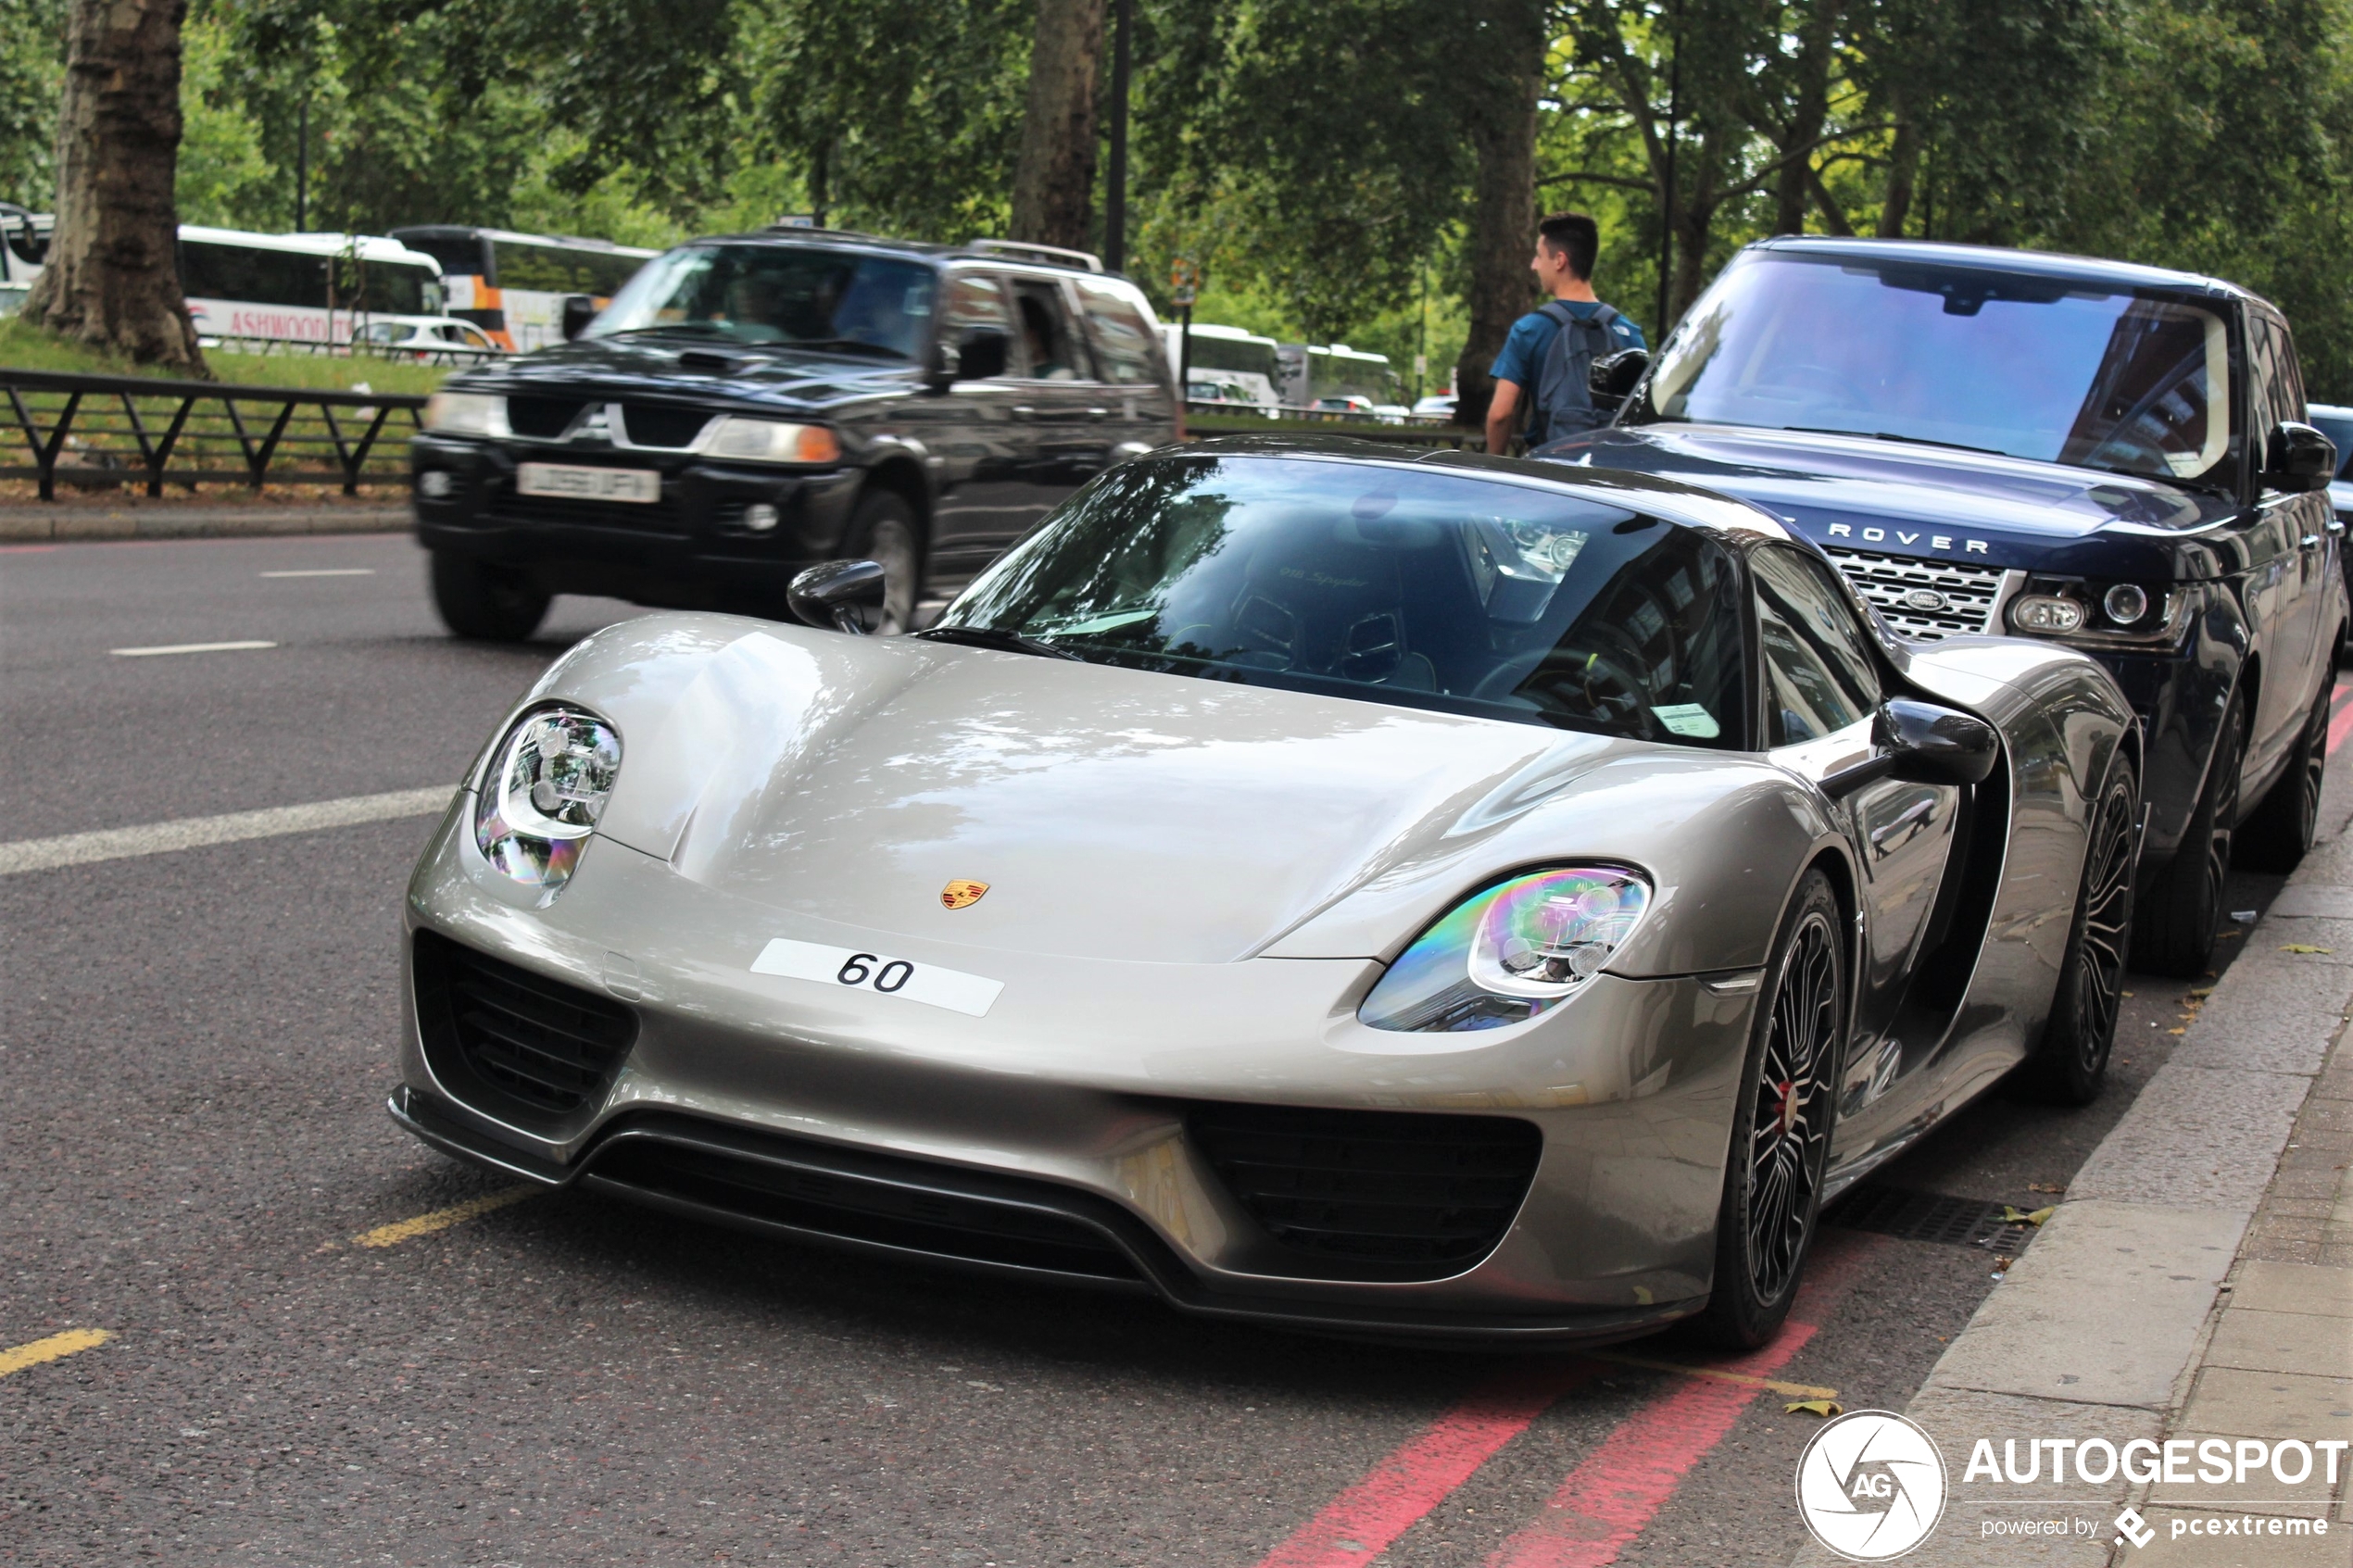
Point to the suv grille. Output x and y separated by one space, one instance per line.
650 424
1372 1186
542 419
540 1048
1925 600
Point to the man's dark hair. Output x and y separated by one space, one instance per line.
1576 236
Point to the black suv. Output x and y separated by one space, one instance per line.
749 404
1988 441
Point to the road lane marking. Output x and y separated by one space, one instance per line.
186 647
195 832
442 1219
1360 1524
327 571
72 1342
1717 1374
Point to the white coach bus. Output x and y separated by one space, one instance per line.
315 289
513 287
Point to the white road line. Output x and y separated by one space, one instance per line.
193 833
327 571
186 647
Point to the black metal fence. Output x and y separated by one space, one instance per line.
104 431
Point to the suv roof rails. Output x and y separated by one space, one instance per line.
814 229
1053 255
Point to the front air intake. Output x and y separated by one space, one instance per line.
514 1044
1415 1194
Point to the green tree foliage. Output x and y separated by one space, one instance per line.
33 61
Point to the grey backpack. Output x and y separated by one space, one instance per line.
1564 402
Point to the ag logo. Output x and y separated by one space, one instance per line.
962 895
1870 1485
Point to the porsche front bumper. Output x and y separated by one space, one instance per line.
1059 1135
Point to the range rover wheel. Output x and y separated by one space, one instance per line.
2279 831
882 529
2069 1065
1781 1130
484 601
2180 907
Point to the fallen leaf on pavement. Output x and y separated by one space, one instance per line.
2012 1215
1824 1407
2304 948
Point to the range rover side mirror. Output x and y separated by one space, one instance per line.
830 595
1613 375
2298 457
579 310
1921 743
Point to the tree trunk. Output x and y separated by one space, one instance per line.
113 274
1503 237
1054 180
1903 169
1793 186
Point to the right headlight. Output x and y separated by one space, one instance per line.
1506 954
546 784
743 440
466 413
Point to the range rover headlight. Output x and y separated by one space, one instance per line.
541 795
1506 954
741 440
466 413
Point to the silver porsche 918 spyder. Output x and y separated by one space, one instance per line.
1441 895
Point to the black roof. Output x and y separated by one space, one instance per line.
2038 263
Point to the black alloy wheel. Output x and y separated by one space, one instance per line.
2279 832
1781 1135
2070 1063
2180 905
484 601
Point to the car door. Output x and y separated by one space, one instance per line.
2315 539
1064 406
1823 686
2276 585
1141 409
977 452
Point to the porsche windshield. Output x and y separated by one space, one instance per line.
2017 363
1384 583
788 295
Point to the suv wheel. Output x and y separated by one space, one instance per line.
2181 906
484 601
2069 1065
2279 831
882 529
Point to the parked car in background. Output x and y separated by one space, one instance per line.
1440 404
2113 457
24 246
747 406
2336 423
433 339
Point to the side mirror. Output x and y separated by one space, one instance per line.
947 365
1921 743
579 310
1613 375
831 594
2297 458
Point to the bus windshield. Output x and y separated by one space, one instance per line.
2025 363
788 295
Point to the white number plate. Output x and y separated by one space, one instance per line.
880 975
575 482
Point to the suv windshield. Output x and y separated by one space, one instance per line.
784 294
1386 584
2035 366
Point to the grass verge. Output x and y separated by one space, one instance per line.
24 346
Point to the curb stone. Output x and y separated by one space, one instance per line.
58 524
2156 1303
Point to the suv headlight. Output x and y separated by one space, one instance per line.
540 797
466 413
741 440
1509 953
2100 613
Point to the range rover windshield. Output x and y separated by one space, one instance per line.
788 296
1382 584
2011 362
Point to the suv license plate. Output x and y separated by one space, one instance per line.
577 483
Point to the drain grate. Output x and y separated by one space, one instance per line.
1926 1216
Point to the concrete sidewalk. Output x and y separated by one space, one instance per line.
2196 1282
74 521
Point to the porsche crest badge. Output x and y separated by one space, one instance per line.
962 895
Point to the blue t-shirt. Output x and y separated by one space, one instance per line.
1522 360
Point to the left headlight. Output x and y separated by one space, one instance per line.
742 440
1505 955
546 786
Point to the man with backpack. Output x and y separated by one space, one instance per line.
1542 368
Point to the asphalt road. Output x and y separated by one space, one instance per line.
193 1051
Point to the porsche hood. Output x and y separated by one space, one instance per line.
1110 813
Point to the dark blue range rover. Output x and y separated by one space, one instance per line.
1992 441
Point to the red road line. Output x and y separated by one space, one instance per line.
2341 717
1361 1523
1612 1496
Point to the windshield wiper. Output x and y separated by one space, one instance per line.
1893 435
995 637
